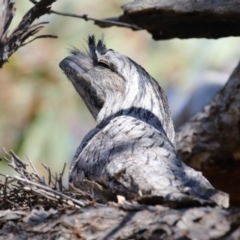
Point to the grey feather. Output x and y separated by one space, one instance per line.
131 152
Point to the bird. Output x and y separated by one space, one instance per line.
131 152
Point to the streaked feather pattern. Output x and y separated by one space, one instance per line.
131 151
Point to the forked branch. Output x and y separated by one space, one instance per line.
24 30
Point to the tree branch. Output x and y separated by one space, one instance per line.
129 221
25 29
102 22
166 19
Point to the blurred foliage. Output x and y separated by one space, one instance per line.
41 114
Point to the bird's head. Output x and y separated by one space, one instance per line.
111 84
92 79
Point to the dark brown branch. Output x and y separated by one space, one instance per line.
25 29
166 19
210 141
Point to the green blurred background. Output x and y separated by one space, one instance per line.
41 114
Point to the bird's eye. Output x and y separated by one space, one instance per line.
103 64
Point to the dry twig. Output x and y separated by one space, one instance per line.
103 22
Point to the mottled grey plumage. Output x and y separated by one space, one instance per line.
131 151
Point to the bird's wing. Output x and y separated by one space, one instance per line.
131 158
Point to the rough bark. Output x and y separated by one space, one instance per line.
25 29
166 19
121 222
210 141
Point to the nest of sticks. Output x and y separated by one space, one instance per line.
29 190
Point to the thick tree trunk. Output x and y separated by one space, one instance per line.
210 141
